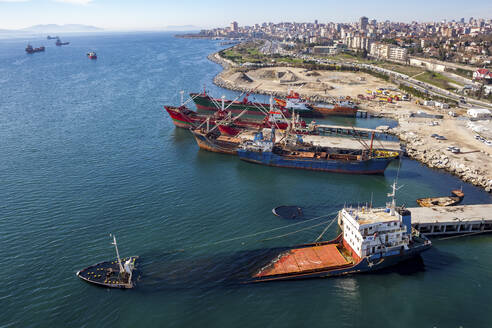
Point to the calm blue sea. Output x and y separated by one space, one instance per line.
86 150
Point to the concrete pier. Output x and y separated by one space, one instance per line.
449 220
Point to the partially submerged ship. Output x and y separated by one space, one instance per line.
456 197
371 239
113 274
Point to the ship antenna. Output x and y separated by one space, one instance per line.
182 97
117 253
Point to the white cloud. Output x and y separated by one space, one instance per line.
75 2
14 0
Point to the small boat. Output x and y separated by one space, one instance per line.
92 55
31 50
113 274
456 197
371 239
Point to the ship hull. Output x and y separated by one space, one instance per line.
374 263
223 145
336 110
206 103
370 166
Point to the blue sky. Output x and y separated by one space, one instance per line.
154 14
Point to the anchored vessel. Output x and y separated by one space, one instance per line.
31 50
360 161
59 43
371 239
114 274
455 198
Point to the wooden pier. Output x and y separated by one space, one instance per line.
450 220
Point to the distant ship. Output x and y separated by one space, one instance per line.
31 50
52 37
59 43
92 55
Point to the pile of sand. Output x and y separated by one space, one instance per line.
267 74
240 77
287 76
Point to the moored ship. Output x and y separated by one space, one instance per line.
337 108
352 161
294 102
371 239
207 103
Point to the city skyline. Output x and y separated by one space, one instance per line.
155 15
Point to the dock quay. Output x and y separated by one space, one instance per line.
381 132
450 220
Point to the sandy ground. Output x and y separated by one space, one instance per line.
306 82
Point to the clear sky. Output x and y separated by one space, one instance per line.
155 14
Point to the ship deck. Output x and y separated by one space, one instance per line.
347 142
306 259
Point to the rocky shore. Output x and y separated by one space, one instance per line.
473 168
417 148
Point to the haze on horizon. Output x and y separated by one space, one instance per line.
154 14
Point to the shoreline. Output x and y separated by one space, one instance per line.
414 132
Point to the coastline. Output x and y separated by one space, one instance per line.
471 166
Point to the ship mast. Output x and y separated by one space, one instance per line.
117 253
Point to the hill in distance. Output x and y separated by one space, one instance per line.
67 28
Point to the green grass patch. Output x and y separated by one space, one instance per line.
436 79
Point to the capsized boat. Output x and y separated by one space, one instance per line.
119 273
327 159
455 198
371 239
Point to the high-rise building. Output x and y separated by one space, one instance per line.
234 27
363 22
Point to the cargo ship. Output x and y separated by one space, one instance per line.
31 50
206 103
352 161
294 103
455 198
371 239
92 55
59 43
49 37
337 108
119 273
